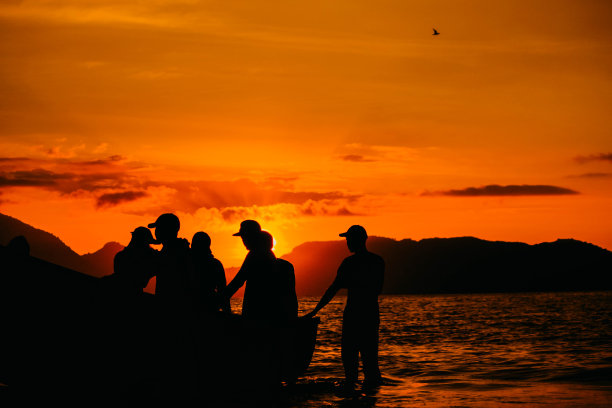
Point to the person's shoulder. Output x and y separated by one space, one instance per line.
284 263
216 262
347 262
376 257
351 259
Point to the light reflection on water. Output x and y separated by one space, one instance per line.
537 350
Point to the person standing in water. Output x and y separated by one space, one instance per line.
210 274
362 275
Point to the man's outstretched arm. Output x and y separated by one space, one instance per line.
326 298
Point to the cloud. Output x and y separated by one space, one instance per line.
112 180
103 162
61 151
326 208
592 175
332 208
356 158
113 199
594 157
510 190
64 183
31 178
13 159
189 196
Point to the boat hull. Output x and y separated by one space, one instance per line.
62 329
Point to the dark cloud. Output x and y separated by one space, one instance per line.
233 214
356 158
343 211
113 180
594 157
65 183
592 175
510 190
113 199
13 159
31 178
102 162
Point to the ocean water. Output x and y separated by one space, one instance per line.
490 350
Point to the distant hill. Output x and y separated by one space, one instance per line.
463 265
436 265
47 246
100 263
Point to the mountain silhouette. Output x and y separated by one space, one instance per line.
100 263
47 246
463 265
434 265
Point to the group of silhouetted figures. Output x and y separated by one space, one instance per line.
190 280
190 276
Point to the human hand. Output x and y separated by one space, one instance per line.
310 315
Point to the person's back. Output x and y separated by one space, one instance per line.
287 308
134 267
209 273
135 264
175 275
259 293
270 283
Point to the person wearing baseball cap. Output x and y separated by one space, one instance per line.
362 275
176 294
175 282
136 264
258 272
166 227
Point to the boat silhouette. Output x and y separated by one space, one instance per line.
65 332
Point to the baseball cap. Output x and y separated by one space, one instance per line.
144 235
248 227
355 231
167 220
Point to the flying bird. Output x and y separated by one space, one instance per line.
435 32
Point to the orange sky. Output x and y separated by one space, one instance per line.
308 116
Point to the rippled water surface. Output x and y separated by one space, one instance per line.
493 350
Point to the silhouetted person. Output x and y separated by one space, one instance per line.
210 274
260 273
175 291
175 275
362 274
136 264
283 299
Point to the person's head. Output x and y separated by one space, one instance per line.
201 242
265 241
166 227
19 246
142 237
356 237
249 232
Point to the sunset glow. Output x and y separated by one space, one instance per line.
309 117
